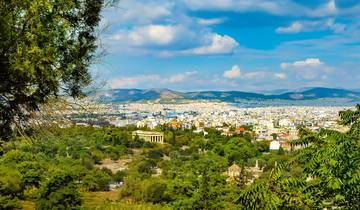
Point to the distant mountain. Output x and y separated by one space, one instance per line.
127 95
274 92
124 95
317 93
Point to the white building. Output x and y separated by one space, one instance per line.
275 145
150 136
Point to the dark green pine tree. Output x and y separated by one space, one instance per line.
46 48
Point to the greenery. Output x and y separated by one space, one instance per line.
46 48
56 168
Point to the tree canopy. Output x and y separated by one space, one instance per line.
46 48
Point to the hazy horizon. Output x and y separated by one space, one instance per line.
225 90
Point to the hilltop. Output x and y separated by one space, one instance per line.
131 95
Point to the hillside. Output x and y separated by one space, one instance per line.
128 95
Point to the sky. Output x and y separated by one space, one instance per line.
247 45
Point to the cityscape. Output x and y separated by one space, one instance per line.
179 104
199 115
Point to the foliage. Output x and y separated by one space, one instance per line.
198 184
188 174
9 203
10 187
46 47
96 180
326 171
59 192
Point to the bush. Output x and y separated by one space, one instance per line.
9 203
59 192
119 176
155 154
155 192
10 182
96 180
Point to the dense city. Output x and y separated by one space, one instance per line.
268 123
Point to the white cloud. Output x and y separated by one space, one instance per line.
217 44
179 77
150 35
150 80
273 7
295 27
138 12
308 69
211 21
129 82
172 40
156 34
327 9
309 26
309 62
283 7
234 72
280 76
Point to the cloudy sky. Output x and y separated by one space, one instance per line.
249 45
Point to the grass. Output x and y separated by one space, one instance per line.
109 201
28 205
104 201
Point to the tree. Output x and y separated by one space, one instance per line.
119 176
332 160
10 188
46 48
198 184
327 172
154 191
59 192
96 180
9 203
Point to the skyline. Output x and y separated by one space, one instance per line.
190 45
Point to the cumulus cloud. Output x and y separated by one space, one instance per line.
216 44
309 62
308 69
309 26
152 35
234 72
173 40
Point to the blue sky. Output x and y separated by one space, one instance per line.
249 45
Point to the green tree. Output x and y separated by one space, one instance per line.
198 184
45 46
119 176
9 203
332 160
10 188
96 180
327 171
155 191
59 192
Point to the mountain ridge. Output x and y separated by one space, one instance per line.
131 95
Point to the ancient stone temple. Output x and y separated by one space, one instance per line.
150 136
